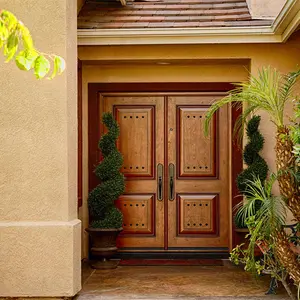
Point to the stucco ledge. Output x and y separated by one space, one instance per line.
40 259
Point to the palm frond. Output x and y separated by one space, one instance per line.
273 209
239 126
288 83
268 91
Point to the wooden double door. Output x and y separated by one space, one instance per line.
177 179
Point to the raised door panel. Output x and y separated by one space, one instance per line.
197 153
138 214
137 130
198 217
197 214
142 144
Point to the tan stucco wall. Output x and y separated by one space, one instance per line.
39 230
284 57
264 9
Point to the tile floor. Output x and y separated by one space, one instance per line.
174 282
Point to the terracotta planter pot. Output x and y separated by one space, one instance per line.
103 246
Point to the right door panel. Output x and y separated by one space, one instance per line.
198 171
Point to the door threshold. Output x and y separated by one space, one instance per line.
172 255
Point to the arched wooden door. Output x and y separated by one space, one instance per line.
177 180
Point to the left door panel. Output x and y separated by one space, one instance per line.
141 120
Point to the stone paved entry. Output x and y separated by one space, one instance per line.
175 282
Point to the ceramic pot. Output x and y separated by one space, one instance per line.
103 247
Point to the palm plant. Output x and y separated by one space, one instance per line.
269 92
264 225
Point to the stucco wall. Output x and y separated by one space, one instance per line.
221 64
265 9
39 230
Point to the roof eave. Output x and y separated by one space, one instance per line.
283 26
288 19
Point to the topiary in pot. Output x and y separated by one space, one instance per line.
257 166
106 219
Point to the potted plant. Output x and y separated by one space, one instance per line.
106 220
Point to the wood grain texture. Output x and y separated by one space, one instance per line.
138 214
218 219
137 131
197 214
161 96
142 144
197 154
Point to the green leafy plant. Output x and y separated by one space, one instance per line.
295 131
101 199
270 91
264 225
17 44
257 166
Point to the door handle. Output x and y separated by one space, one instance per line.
171 181
160 187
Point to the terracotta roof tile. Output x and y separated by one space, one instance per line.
167 14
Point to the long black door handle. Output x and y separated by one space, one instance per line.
160 185
171 181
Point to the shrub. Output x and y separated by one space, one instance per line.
256 165
101 199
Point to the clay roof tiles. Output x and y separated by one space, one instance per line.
167 14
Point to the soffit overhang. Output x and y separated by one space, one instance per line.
279 31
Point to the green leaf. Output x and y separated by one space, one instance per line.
60 63
58 67
41 67
3 32
11 46
25 59
9 18
26 37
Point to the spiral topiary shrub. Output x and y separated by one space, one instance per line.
101 199
256 165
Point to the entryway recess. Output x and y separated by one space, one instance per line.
177 197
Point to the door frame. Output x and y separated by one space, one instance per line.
94 89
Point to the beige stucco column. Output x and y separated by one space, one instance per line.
39 230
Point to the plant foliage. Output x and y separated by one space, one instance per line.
269 92
263 225
101 199
17 44
295 131
256 165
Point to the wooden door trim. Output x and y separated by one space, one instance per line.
94 89
166 176
79 134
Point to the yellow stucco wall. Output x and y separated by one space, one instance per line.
209 63
40 235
